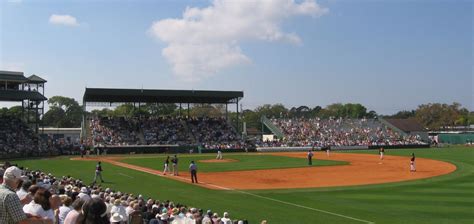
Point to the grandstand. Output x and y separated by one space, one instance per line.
194 132
336 133
19 135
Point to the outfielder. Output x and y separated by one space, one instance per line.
381 151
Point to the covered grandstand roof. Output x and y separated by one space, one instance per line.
95 95
36 79
19 95
406 125
11 76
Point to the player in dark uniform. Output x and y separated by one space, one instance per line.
381 152
310 157
412 163
193 170
98 172
174 161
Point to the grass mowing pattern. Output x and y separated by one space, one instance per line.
444 199
244 162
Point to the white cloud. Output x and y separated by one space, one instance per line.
206 40
65 20
12 66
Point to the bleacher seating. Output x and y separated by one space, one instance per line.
337 132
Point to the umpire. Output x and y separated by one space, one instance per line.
193 170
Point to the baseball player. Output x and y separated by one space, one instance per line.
412 163
310 157
166 165
219 154
328 149
98 172
381 151
174 161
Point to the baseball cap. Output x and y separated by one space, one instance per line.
12 172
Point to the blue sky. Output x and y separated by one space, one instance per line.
387 55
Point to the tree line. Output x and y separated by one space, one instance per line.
66 112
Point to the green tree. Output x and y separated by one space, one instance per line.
63 112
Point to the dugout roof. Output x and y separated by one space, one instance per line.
105 95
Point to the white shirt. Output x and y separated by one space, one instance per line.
226 221
63 211
84 197
129 210
21 193
36 210
119 209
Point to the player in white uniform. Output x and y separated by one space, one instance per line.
219 154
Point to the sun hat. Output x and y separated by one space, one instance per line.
117 202
116 217
12 172
84 190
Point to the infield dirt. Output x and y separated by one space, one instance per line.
362 169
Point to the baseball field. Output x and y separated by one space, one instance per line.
345 187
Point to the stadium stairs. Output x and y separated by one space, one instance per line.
273 128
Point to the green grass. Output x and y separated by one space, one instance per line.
444 199
244 162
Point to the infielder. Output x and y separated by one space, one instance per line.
98 172
166 165
219 154
174 161
412 163
310 157
381 151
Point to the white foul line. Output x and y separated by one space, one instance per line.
125 175
259 196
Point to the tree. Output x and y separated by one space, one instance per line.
63 112
435 115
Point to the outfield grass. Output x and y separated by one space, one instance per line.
243 162
444 199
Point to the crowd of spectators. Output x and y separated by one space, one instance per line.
66 200
214 133
115 131
19 140
209 133
337 132
166 130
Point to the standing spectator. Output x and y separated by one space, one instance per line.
193 170
10 207
98 172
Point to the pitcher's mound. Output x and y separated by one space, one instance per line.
218 161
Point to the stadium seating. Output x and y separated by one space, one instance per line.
337 132
204 131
